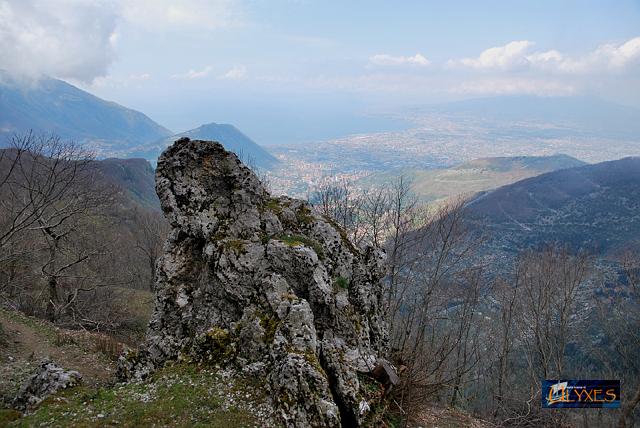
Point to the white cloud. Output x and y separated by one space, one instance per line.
76 39
194 74
508 57
517 56
433 85
71 39
607 57
237 72
627 53
384 59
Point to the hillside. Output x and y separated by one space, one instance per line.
434 185
227 135
595 207
136 176
205 396
180 395
54 106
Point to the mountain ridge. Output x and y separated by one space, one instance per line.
593 207
230 137
55 106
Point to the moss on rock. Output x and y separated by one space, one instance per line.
295 240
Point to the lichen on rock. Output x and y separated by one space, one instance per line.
47 380
263 282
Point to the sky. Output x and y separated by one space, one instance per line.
286 69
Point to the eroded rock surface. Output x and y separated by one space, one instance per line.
47 380
264 284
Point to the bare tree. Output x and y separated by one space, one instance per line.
434 306
375 213
20 204
506 295
537 312
341 203
550 282
151 230
53 198
620 320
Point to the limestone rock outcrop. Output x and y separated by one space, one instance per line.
48 379
265 284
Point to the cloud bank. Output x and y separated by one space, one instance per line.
76 39
384 59
520 56
71 39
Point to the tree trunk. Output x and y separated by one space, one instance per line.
52 281
52 285
628 410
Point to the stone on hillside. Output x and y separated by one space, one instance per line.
264 284
47 380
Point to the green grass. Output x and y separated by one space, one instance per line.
436 186
303 215
180 395
343 235
3 340
273 205
341 282
7 416
394 421
270 324
300 240
42 327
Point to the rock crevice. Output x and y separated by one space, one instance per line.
265 284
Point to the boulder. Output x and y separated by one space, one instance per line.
266 284
47 380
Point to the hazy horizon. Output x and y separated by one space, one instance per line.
287 71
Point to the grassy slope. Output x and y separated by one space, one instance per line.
181 395
28 340
178 395
474 176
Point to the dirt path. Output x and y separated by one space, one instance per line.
449 418
27 341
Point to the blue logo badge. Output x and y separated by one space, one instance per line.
570 393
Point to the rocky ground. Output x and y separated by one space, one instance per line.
27 341
177 395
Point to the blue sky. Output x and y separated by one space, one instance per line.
264 65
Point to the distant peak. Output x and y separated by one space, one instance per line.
217 125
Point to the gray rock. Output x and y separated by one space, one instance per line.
263 282
47 380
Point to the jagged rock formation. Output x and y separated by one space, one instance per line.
47 380
265 284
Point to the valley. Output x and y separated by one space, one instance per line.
223 282
438 141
